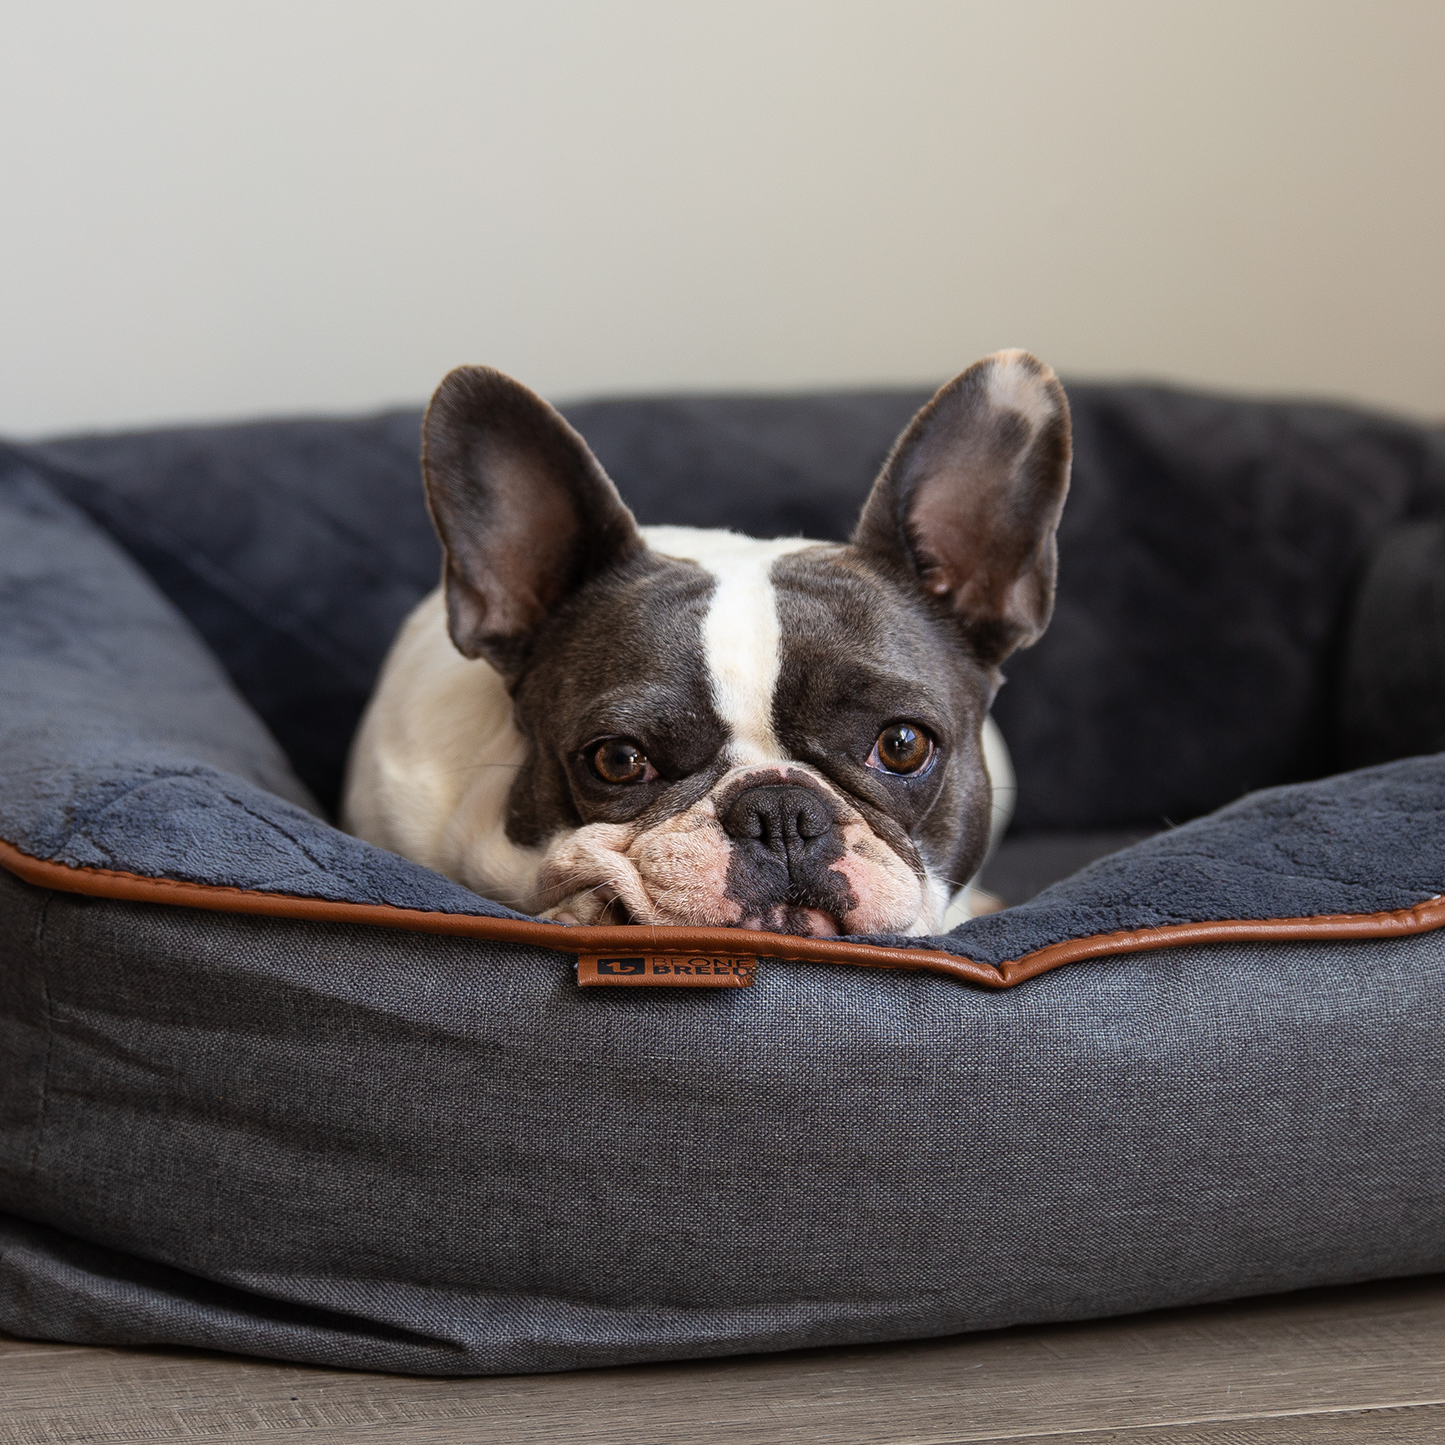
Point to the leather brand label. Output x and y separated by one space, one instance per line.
666 970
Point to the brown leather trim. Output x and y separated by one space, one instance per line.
132 887
1321 928
633 938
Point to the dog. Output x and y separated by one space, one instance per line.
601 723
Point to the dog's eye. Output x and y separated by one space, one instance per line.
901 748
617 760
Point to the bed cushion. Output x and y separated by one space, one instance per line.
1210 551
276 1091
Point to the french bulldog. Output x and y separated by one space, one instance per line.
602 723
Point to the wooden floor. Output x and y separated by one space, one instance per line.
1360 1364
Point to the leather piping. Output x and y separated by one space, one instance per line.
134 888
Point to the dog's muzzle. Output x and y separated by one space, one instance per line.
785 841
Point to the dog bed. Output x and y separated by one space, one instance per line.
275 1091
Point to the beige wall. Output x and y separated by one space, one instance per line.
222 209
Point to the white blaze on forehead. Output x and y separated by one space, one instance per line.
740 634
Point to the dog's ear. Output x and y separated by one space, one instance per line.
525 512
968 502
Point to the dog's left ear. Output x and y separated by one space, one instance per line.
968 502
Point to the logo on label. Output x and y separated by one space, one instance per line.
621 965
668 970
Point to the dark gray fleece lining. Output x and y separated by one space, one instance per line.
1209 555
127 749
1365 842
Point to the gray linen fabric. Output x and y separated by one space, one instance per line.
356 1147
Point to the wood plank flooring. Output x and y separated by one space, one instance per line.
1328 1367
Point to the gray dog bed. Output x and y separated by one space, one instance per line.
272 1090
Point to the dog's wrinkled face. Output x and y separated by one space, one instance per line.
781 735
767 736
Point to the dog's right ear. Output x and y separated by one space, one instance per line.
525 513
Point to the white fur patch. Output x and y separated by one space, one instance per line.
740 634
434 760
1013 386
1003 786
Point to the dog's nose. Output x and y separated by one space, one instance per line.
781 818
